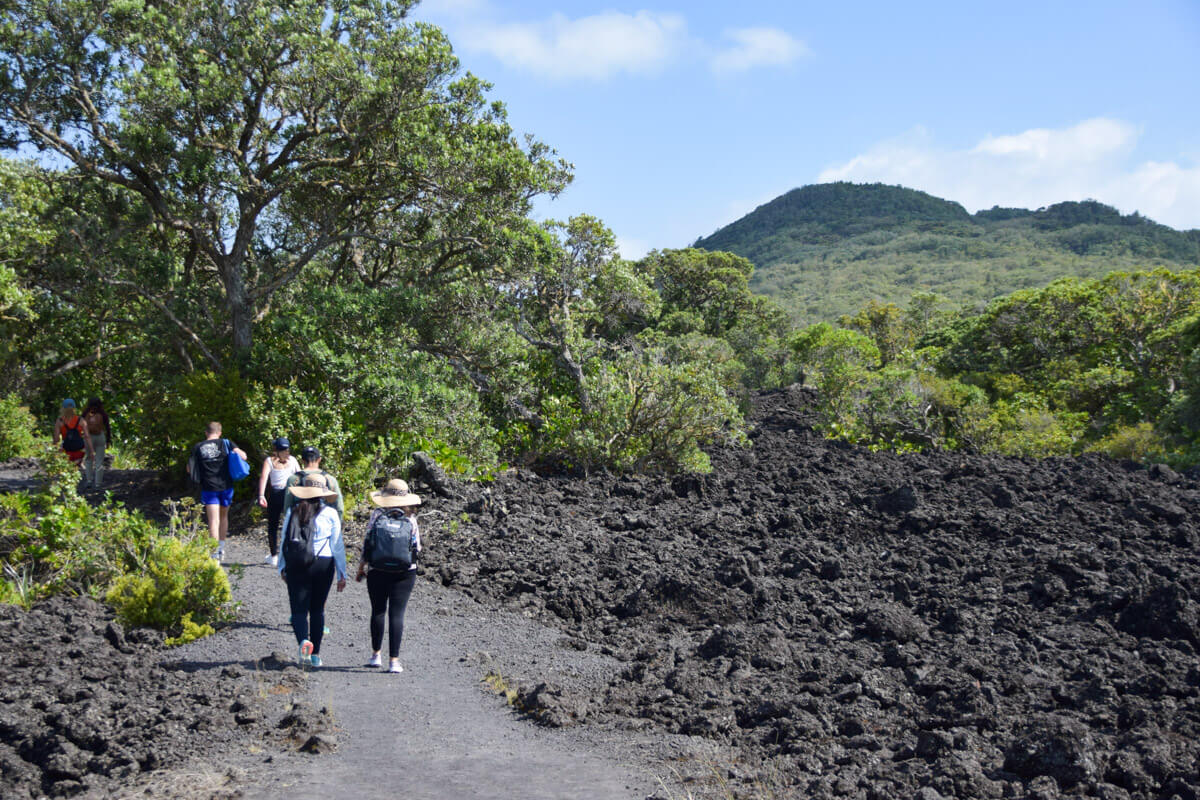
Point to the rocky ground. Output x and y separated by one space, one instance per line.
87 708
867 625
810 620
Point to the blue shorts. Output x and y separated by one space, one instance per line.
217 498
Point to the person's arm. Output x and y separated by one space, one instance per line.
339 552
87 439
191 467
233 446
262 482
365 556
56 434
293 480
416 532
287 516
341 502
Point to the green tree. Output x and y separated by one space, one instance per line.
268 134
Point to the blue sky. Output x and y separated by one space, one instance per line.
681 117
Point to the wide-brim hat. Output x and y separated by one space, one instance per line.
314 486
395 495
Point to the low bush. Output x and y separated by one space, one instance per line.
53 542
18 430
178 587
1140 442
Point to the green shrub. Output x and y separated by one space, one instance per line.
18 430
646 415
174 418
191 632
54 542
178 579
1139 442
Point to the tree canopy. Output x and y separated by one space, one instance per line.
260 135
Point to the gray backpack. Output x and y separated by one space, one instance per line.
391 542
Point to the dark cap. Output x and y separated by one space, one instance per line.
282 443
310 453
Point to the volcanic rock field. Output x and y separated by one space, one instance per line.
834 622
865 625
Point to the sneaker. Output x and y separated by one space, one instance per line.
395 667
305 656
272 560
376 661
221 555
314 660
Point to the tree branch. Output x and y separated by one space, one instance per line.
94 357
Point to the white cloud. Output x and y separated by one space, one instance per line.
1095 159
594 47
757 47
632 248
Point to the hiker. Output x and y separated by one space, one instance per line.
72 430
276 470
100 437
311 552
311 458
208 466
388 562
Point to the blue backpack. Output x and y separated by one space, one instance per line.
391 542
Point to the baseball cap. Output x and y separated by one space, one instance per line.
310 453
68 403
281 443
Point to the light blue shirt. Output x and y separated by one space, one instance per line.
327 539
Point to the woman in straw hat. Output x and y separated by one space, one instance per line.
389 579
308 584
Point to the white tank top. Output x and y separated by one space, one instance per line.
278 477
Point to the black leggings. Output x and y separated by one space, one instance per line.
389 593
274 514
307 590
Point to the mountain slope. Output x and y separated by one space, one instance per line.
827 249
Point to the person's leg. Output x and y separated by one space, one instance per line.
212 512
89 468
401 590
224 523
274 516
97 465
379 586
322 579
299 592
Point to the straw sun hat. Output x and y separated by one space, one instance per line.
395 495
314 486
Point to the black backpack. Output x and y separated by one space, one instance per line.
72 440
298 543
392 542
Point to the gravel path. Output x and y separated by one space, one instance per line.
434 730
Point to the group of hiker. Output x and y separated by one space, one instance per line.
84 438
305 509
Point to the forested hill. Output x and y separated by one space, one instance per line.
827 249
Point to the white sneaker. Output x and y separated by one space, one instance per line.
395 667
221 555
376 661
272 560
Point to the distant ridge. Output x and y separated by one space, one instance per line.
827 249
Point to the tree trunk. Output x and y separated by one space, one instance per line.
237 301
